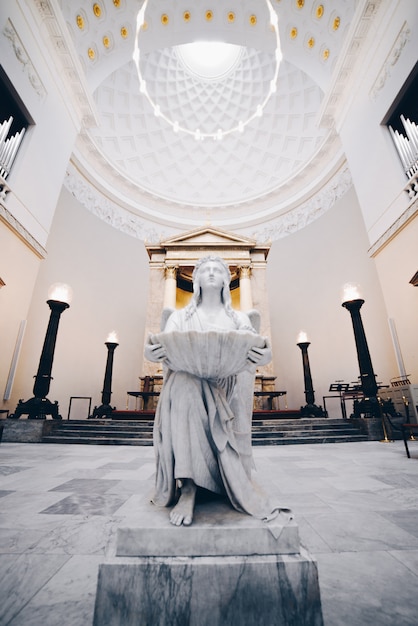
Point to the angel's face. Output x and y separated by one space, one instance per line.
211 276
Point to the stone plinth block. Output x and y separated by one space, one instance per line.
217 530
210 591
370 426
227 569
24 430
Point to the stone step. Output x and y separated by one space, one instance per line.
127 428
83 434
285 441
107 423
115 441
301 420
324 432
101 431
264 432
297 425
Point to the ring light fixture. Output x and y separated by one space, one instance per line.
220 133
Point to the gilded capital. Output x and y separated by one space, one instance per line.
244 271
170 272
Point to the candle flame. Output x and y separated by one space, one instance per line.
112 337
351 292
302 337
60 292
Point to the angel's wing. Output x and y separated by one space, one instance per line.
255 319
167 311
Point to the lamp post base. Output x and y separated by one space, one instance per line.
368 407
37 408
312 410
104 410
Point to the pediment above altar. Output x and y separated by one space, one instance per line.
199 242
209 237
173 260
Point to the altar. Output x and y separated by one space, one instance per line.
266 397
170 287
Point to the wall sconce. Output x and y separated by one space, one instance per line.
105 410
38 407
310 409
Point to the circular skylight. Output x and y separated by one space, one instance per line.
209 59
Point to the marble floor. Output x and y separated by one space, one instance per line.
356 505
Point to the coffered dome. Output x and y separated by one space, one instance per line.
164 147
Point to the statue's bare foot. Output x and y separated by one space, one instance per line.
182 513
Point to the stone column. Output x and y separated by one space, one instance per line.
246 298
170 286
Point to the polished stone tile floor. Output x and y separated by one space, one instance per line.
356 505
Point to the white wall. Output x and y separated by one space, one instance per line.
108 272
397 263
305 274
37 173
39 168
18 270
374 163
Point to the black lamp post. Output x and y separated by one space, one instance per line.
39 406
310 409
105 410
369 405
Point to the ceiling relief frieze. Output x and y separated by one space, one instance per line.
23 58
142 228
315 207
393 57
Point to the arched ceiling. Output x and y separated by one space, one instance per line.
173 179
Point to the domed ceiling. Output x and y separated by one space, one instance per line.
183 140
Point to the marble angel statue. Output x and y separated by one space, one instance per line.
202 430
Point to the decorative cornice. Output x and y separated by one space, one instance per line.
349 59
105 181
109 211
391 60
309 211
21 232
66 59
286 224
407 216
22 56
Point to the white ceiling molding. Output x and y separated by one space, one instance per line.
350 61
129 223
21 55
21 232
307 212
391 60
407 216
65 57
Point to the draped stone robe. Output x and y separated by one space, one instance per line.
202 429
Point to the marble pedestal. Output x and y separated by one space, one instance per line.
227 569
25 430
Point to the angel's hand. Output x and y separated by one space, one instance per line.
260 356
155 352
